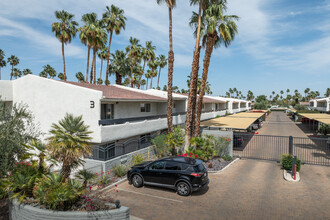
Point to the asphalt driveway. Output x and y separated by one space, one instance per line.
250 189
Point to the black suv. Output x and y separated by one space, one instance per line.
183 174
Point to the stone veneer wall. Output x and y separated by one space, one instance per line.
26 212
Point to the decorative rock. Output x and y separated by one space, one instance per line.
288 176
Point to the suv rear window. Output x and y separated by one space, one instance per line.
197 168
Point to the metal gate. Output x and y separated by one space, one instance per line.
267 147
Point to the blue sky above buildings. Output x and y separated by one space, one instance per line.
281 44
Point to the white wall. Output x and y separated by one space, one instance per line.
6 90
133 109
49 100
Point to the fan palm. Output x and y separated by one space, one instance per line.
147 75
2 60
170 4
219 30
153 65
147 53
27 72
69 142
80 77
306 91
13 61
134 54
85 176
143 83
119 65
16 73
60 76
162 62
64 30
103 55
48 71
114 20
85 35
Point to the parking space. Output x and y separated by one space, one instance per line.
250 189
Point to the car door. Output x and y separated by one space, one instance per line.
155 172
171 173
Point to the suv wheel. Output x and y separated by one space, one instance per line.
137 181
183 189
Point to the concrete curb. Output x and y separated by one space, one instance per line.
287 176
113 185
226 167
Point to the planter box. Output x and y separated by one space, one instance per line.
19 211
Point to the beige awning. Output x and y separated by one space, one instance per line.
323 118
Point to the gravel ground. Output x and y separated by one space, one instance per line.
217 164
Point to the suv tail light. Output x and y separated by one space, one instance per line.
197 174
239 139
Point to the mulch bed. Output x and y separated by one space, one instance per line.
4 215
217 163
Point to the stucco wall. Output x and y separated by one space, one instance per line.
27 212
133 109
6 90
49 101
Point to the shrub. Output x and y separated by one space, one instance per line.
287 160
120 170
52 192
221 145
137 159
175 141
202 146
218 116
227 157
324 129
300 107
85 176
160 147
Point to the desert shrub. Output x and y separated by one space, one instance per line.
221 145
120 170
202 146
175 141
54 193
324 129
287 160
300 107
218 116
159 146
137 159
227 157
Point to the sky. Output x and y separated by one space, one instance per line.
281 44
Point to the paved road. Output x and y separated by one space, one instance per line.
249 189
273 141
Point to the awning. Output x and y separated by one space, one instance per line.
323 118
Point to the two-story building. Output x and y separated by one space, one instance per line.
322 105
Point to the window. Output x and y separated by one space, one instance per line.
145 107
157 165
172 166
107 111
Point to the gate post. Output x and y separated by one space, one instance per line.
291 145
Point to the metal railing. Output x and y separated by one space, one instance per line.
267 147
112 150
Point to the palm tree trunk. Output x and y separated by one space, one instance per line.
101 68
209 49
66 171
12 71
118 78
88 54
91 73
0 73
147 84
158 78
131 79
95 68
151 82
64 75
107 72
170 75
192 99
144 64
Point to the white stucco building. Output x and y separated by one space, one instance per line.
322 105
116 114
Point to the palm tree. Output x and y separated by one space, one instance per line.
13 61
69 143
170 4
103 55
143 83
153 65
48 71
317 93
327 93
114 20
16 73
162 62
80 77
306 91
281 92
27 72
2 60
119 65
148 53
85 176
147 75
86 32
64 30
219 29
134 54
227 94
231 92
60 76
